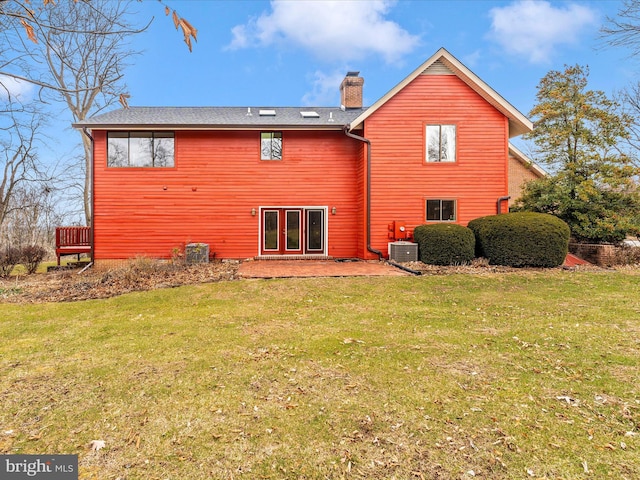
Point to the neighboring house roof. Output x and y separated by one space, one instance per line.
442 62
526 161
200 118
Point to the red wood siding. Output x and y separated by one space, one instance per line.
360 184
402 180
217 179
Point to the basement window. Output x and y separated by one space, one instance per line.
271 146
441 210
140 149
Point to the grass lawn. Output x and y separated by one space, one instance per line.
523 375
42 267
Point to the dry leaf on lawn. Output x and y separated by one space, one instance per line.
96 445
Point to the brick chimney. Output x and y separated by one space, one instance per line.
351 91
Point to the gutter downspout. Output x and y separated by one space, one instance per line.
499 203
86 132
406 269
368 142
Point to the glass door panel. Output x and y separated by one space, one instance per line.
293 230
271 231
315 231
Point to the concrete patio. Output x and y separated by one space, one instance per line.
316 268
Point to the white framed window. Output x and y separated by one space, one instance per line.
438 210
271 146
140 149
441 143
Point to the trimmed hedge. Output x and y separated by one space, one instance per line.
444 244
523 239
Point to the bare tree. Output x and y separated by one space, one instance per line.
88 68
74 51
22 10
28 17
623 30
32 216
20 130
629 101
79 51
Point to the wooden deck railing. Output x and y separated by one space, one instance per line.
72 241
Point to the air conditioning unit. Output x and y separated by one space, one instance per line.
403 252
196 253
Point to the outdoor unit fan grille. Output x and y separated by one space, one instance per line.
403 252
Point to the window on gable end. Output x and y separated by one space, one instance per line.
271 146
441 143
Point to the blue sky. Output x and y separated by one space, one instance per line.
296 52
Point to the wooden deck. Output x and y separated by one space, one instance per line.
73 241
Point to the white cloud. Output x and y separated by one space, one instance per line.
472 59
325 89
534 29
331 29
14 89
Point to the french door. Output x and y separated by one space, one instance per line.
293 231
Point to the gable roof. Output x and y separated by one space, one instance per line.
327 118
202 118
442 62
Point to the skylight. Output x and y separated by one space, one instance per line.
267 113
310 114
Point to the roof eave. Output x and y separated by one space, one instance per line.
525 160
191 127
517 128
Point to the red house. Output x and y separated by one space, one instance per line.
302 182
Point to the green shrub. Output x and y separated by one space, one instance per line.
444 244
523 239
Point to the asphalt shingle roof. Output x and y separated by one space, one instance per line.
221 117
